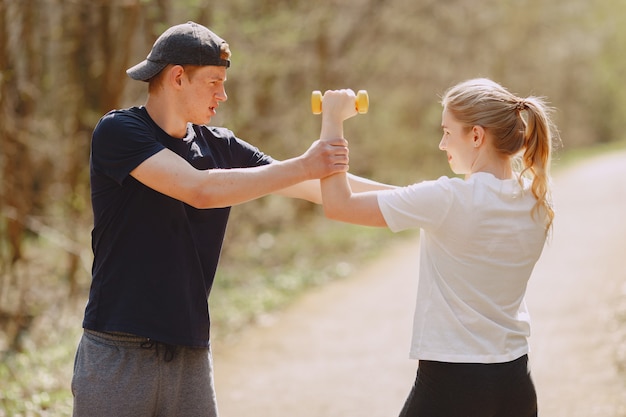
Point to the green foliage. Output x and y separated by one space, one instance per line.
62 66
30 382
266 271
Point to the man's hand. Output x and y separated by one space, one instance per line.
326 157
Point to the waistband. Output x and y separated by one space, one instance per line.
128 340
117 336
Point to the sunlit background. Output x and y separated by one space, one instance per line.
62 66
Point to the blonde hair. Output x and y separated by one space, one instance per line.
516 124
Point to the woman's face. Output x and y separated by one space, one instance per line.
457 141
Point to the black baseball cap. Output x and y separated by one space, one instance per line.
188 43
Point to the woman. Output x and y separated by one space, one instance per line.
480 239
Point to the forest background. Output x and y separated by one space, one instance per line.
62 66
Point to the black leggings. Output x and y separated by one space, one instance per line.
445 389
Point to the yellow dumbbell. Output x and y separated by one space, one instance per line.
362 102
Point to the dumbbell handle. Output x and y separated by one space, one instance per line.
361 102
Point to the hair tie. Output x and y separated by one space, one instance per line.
521 105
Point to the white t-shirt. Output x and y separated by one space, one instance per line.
479 245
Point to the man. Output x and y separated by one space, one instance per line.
162 186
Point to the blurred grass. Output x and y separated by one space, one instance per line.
566 157
35 382
279 266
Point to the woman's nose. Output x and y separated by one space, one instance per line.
442 144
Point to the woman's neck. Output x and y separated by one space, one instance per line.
499 167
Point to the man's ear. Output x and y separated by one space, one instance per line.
478 135
175 75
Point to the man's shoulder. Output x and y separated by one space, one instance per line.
224 140
219 136
215 132
127 114
119 118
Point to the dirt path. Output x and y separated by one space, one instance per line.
342 350
578 293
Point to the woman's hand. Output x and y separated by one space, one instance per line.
339 105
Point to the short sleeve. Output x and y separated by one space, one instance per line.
122 141
421 205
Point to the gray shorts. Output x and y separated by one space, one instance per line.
124 375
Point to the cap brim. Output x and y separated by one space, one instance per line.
145 70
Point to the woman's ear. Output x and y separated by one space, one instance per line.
478 135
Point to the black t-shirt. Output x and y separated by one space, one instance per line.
155 257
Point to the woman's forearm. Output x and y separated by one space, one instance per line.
338 199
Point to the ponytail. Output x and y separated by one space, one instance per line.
538 137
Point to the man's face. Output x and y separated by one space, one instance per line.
202 93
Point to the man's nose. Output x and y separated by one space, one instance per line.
221 95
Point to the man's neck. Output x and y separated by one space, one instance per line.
160 111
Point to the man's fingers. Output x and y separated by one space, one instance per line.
336 142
